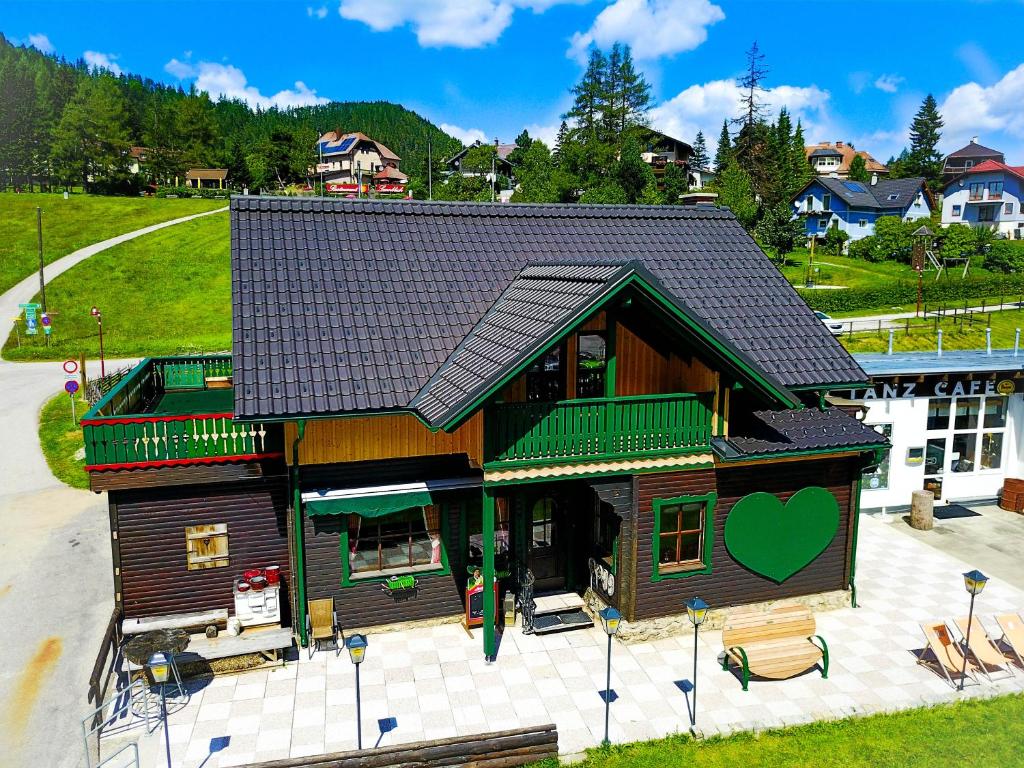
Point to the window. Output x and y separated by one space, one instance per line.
404 541
967 409
543 522
973 442
206 546
878 478
987 212
935 456
938 413
977 191
822 223
862 223
826 202
963 452
995 412
995 190
683 534
968 164
893 197
545 379
956 211
1008 209
591 362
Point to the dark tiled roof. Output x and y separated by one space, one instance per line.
808 429
875 196
974 149
350 305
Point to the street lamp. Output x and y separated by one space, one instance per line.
697 611
95 312
159 665
356 646
610 619
974 582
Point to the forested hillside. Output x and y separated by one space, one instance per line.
64 124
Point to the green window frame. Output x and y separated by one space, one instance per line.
349 580
662 529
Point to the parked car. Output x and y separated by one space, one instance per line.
834 326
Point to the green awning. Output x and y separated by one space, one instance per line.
368 506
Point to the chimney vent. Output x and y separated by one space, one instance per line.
974 139
874 179
839 144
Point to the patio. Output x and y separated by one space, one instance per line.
434 682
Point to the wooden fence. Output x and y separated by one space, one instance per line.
500 749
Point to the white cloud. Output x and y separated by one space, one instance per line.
97 60
889 83
704 107
653 28
180 69
546 133
466 135
40 42
225 80
439 23
858 81
320 13
978 63
973 109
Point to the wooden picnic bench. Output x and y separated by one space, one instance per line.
773 644
217 617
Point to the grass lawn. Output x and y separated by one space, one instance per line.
954 335
164 293
61 439
975 733
73 223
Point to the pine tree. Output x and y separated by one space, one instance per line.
801 169
723 154
737 193
859 169
588 100
753 108
560 138
634 98
92 139
925 159
700 159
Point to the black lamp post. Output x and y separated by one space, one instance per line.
697 611
159 665
356 646
95 312
975 582
610 619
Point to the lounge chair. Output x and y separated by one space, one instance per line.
984 651
1013 634
946 651
322 624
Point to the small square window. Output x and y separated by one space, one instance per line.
956 210
1008 208
822 223
683 534
894 197
862 223
206 546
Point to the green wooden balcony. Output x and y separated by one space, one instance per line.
596 428
172 411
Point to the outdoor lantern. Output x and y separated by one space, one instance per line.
697 610
356 648
610 618
95 311
159 667
975 582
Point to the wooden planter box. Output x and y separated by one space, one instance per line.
1012 497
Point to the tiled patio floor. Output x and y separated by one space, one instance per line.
435 683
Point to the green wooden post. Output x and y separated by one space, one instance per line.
853 547
490 648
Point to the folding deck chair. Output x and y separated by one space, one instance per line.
984 651
946 652
1013 634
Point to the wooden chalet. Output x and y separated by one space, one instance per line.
623 400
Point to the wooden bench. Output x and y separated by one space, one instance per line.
217 617
773 644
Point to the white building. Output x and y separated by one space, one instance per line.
988 194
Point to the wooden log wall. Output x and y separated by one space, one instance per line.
730 583
150 545
499 749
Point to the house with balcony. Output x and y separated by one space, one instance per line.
964 159
854 206
833 159
353 163
535 402
989 195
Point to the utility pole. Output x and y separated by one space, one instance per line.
430 172
320 147
494 177
39 233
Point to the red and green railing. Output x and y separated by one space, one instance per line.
122 432
597 428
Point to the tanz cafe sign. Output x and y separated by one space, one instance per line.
944 385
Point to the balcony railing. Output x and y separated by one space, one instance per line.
597 428
172 411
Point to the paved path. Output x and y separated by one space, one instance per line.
891 319
55 584
435 683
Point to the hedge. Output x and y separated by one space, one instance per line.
902 293
193 192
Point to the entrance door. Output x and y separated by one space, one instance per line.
545 545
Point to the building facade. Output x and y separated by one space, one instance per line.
964 159
853 207
354 163
989 195
828 159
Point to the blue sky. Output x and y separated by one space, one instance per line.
853 71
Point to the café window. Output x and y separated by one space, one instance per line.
974 441
545 378
404 541
683 533
938 413
878 478
591 363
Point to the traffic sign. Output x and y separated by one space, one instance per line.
71 387
70 366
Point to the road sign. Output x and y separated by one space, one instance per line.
31 319
71 387
70 366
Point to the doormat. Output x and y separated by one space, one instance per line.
953 511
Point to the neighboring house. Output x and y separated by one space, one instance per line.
854 206
967 157
137 157
350 162
610 400
701 177
988 194
206 178
502 166
834 159
659 150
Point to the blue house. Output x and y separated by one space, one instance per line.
854 206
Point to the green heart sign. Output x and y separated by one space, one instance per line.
777 541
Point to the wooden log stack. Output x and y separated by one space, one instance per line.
499 749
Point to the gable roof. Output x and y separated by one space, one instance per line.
353 305
872 196
974 149
847 153
332 141
795 431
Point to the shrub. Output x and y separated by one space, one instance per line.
834 240
193 192
957 240
865 249
901 293
1005 256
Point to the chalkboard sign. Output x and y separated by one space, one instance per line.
475 605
